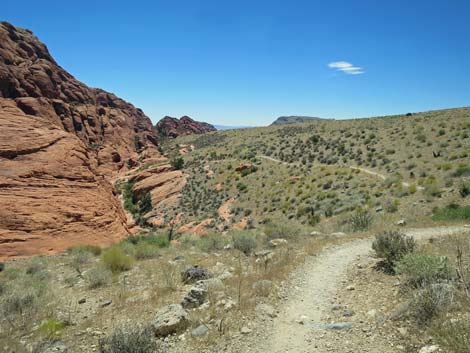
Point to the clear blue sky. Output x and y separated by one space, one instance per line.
246 62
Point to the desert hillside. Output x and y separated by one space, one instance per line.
309 235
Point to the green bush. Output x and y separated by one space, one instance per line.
177 162
464 189
211 242
421 269
98 277
360 221
129 339
51 328
92 249
244 241
277 230
452 212
391 246
453 336
462 171
116 260
144 250
431 301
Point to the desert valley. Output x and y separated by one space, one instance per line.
118 235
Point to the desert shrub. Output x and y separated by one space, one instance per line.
3 288
36 264
92 249
453 335
79 257
244 241
160 240
177 162
51 328
451 212
420 268
116 260
464 189
145 250
276 230
98 277
431 301
462 171
211 242
360 221
412 189
127 339
391 246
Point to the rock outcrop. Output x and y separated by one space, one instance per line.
61 143
172 127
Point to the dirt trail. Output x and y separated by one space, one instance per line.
364 170
312 288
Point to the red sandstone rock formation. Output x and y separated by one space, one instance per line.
172 127
61 142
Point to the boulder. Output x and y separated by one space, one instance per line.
169 320
195 297
200 331
194 274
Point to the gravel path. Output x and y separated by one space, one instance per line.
310 291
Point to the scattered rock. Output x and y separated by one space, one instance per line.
348 313
339 326
243 166
429 349
302 320
316 233
278 242
379 209
200 331
52 347
195 297
170 319
194 274
403 331
338 234
245 330
401 223
106 302
350 287
266 310
82 301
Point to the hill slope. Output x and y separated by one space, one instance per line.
293 119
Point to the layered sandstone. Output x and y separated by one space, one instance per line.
172 127
61 143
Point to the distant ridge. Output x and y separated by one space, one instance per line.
229 127
292 119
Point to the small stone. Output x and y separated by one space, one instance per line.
429 349
278 242
401 223
245 330
106 303
200 331
339 326
82 301
265 309
351 287
348 313
403 331
316 233
170 319
302 320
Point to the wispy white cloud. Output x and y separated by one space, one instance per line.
346 67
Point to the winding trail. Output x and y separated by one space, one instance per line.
364 170
316 282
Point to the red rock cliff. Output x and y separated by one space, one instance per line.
60 144
172 127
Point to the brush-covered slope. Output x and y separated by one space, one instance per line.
294 119
60 144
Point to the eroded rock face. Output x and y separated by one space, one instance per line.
61 142
172 127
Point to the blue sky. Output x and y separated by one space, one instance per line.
247 62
